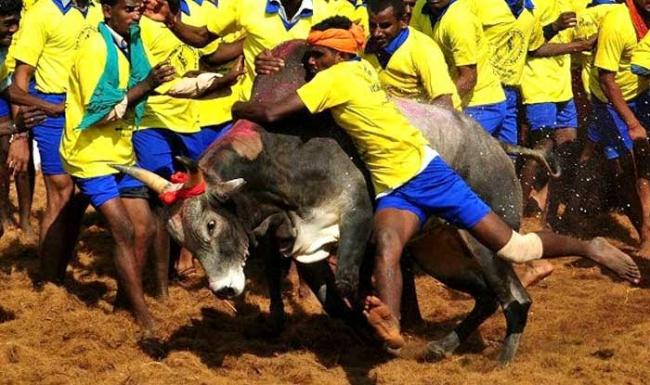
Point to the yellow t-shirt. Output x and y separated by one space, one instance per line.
356 11
458 33
548 79
616 43
641 56
88 153
417 70
48 36
163 111
510 38
264 28
391 147
589 20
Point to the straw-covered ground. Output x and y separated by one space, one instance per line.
584 328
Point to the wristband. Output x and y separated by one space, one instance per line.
18 135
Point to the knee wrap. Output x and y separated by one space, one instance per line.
522 248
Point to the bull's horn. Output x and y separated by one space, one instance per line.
196 175
222 190
546 158
155 182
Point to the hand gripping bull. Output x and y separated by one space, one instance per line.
299 187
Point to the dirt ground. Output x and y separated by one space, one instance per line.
585 327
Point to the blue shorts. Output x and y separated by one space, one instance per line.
210 134
155 149
48 135
489 116
552 115
101 189
5 109
510 130
608 129
437 190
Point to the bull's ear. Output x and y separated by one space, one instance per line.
175 228
223 190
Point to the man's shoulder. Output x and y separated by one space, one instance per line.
92 46
618 22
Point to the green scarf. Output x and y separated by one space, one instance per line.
140 67
107 93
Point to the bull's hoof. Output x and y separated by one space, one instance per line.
440 349
266 327
432 352
510 347
346 287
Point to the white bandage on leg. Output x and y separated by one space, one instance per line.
522 248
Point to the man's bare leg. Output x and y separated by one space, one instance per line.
25 192
127 266
643 191
143 226
494 233
5 178
52 237
393 229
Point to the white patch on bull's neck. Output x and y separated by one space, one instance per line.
319 229
234 279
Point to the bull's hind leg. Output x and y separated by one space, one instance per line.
484 306
511 295
444 255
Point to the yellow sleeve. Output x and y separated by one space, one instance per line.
537 36
432 69
323 92
460 36
224 18
610 45
641 57
31 39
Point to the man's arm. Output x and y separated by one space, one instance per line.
195 36
19 91
226 52
613 92
556 49
466 80
267 112
443 101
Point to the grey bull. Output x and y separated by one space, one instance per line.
300 185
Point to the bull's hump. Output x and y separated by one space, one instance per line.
244 138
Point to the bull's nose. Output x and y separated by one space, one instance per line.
226 292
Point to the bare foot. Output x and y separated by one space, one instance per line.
604 253
384 322
535 272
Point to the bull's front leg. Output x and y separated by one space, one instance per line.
355 229
274 269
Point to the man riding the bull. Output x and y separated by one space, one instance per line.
411 180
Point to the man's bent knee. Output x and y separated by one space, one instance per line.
522 248
389 247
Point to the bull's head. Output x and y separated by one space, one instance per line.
207 226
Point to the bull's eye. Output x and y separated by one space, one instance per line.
211 225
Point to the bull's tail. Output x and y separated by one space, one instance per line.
546 158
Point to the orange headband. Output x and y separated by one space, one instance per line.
349 41
639 25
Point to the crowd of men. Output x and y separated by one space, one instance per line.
143 81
